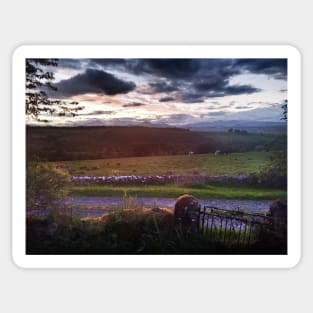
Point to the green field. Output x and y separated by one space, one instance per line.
173 191
144 151
208 164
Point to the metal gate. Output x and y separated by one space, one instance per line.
232 227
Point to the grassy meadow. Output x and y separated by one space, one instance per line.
174 191
206 164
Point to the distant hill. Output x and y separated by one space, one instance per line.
82 143
248 125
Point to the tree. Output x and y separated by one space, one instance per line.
39 78
45 184
285 110
274 173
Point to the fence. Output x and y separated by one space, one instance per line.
232 227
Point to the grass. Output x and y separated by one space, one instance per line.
173 191
209 164
136 231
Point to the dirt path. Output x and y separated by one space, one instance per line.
96 206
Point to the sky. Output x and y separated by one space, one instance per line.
175 92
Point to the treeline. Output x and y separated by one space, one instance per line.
80 143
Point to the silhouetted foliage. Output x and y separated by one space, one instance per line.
274 174
44 184
285 110
39 78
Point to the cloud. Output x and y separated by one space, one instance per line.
240 89
133 104
192 97
166 99
218 113
188 68
189 77
192 80
277 68
270 113
239 107
174 118
158 87
166 68
98 112
195 80
199 94
93 81
222 89
71 63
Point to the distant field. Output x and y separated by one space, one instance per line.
173 191
207 164
87 143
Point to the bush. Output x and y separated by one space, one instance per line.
44 184
274 173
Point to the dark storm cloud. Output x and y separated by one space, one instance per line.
187 68
277 68
191 80
133 104
221 89
239 90
108 63
194 95
158 87
70 63
166 99
191 98
94 81
91 63
183 68
194 80
168 68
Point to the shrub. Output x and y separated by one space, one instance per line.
274 173
44 184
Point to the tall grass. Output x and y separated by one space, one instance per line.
133 231
173 191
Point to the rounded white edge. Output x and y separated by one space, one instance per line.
294 51
18 261
20 51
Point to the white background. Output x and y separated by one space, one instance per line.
246 22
